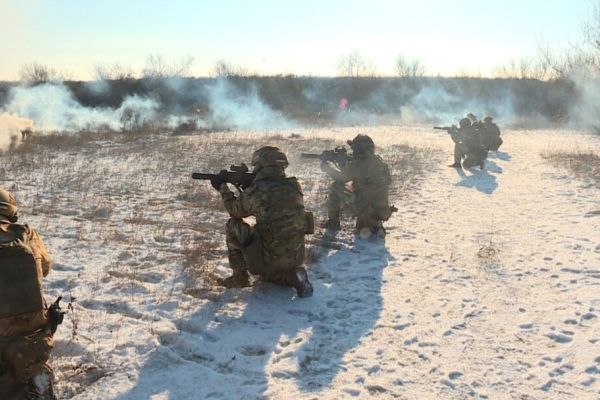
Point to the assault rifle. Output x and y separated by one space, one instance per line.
55 316
237 175
448 129
337 156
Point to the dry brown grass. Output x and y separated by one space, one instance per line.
583 164
130 186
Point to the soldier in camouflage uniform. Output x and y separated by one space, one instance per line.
25 337
371 180
274 247
467 144
490 134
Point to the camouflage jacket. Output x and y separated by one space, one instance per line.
490 129
471 138
277 203
371 180
25 323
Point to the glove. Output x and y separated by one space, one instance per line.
217 182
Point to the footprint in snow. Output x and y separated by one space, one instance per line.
588 316
593 370
454 375
559 338
253 351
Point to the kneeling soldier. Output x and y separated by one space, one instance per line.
274 247
27 325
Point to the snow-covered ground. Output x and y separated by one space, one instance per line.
487 285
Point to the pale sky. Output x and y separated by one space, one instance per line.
269 37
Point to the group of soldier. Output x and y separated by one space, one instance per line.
272 249
473 139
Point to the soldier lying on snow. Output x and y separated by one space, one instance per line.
27 325
274 247
371 180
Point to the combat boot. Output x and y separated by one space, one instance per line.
455 165
378 231
332 224
299 280
239 279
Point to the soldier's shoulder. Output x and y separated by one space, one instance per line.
252 189
31 231
293 181
380 160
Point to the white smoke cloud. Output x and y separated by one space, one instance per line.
435 104
585 113
54 108
10 129
233 108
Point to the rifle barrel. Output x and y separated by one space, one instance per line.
310 155
198 175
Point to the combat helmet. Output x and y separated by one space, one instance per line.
269 156
488 118
8 204
472 117
362 145
464 123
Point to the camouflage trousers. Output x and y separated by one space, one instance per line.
25 372
239 235
460 151
494 143
472 157
340 195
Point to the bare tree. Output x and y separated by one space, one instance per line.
354 64
409 68
581 58
223 68
112 72
523 68
158 67
591 28
576 60
36 72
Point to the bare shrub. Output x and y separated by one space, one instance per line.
158 67
409 68
36 72
223 68
523 68
583 164
113 72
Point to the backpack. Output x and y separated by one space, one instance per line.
20 278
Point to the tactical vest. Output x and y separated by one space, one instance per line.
20 277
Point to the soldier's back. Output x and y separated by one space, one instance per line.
280 220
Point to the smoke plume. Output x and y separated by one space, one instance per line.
10 129
54 108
